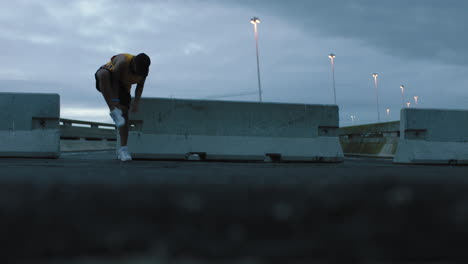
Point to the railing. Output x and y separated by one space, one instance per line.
76 130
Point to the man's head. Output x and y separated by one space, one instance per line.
141 64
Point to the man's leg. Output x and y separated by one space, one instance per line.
111 95
104 77
123 130
123 154
125 101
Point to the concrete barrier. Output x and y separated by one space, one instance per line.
29 125
373 140
226 130
433 136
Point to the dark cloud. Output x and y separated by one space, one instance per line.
205 49
419 29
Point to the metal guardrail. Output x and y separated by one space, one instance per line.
77 129
69 122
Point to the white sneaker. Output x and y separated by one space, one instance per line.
123 154
116 115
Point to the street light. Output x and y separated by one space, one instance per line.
353 117
408 105
388 113
416 100
375 75
402 87
255 21
332 60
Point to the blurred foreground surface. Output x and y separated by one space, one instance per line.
91 208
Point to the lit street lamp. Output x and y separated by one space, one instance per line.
353 117
408 105
332 60
402 87
255 21
388 113
416 100
375 75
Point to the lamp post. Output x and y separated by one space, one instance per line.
332 60
416 100
388 114
375 75
402 87
255 21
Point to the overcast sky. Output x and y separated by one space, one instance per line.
206 50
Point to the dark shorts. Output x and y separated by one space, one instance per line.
124 96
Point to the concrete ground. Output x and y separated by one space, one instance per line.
91 208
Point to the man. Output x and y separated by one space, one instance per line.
114 80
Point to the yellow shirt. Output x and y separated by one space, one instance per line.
110 65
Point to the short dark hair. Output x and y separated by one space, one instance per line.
142 62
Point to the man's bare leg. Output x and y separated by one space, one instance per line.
105 85
123 130
111 96
123 154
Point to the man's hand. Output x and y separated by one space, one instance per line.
134 107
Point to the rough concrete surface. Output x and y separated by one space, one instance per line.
91 208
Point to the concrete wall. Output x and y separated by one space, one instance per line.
223 130
29 125
434 136
68 145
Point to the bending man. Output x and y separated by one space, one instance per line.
114 80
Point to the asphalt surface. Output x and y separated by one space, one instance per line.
90 205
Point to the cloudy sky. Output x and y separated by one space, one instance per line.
205 49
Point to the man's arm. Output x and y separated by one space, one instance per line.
138 93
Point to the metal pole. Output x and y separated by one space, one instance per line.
258 64
402 87
377 95
333 77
